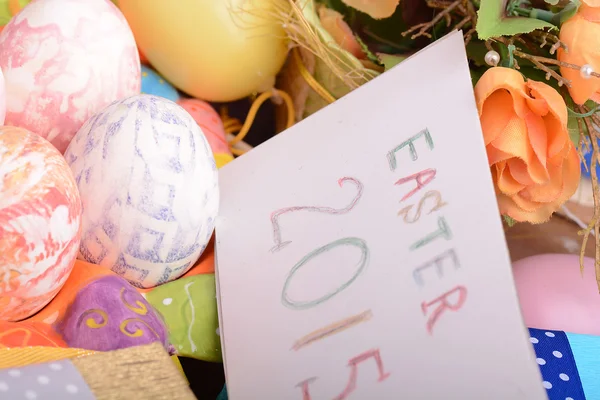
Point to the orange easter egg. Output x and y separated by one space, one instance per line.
212 127
143 58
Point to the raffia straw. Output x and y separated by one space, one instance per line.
134 373
301 33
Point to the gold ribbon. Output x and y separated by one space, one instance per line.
22 356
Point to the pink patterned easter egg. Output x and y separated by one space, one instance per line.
2 99
63 61
40 222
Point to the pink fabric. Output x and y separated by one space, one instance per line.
554 295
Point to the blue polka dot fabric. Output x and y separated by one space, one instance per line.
557 364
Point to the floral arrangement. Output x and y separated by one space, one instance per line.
535 67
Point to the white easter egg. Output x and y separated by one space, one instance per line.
149 187
63 61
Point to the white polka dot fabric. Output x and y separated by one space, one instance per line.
58 380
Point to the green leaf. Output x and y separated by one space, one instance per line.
569 10
552 2
535 74
370 56
476 52
476 74
573 127
383 31
509 221
390 60
493 22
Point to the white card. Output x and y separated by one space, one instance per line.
361 254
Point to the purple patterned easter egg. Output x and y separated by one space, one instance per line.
109 314
149 187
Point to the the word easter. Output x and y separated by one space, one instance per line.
454 298
338 326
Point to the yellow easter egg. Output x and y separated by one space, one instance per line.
218 50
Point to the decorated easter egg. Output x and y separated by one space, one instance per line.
143 58
212 127
189 308
149 189
2 99
82 274
554 294
212 50
109 314
153 83
63 61
40 222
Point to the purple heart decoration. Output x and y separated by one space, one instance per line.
109 314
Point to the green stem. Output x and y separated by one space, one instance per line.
584 115
537 13
521 12
545 15
511 57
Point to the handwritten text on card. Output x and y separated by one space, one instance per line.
351 263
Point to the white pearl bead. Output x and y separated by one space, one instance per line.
492 58
586 71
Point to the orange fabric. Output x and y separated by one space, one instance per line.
27 333
206 263
82 274
534 165
581 35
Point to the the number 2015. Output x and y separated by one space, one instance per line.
348 241
302 305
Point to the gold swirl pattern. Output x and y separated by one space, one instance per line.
139 307
138 332
91 322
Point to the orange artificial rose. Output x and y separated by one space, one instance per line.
334 24
377 9
581 35
592 3
534 164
